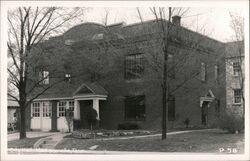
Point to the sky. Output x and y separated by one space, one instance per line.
213 22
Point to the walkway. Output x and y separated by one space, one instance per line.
30 134
50 142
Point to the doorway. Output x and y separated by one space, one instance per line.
204 113
85 106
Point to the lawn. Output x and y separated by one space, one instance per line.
200 141
23 143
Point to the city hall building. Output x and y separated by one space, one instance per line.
117 70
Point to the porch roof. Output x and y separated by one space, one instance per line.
90 88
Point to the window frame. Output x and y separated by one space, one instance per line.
171 99
131 61
203 71
61 108
44 77
36 110
67 77
46 109
237 97
128 107
236 71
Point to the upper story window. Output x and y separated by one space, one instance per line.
203 71
44 77
135 107
67 77
171 66
216 73
134 68
99 36
236 68
237 96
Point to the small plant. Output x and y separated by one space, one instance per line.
232 123
186 122
128 126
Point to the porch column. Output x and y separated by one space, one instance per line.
76 110
96 107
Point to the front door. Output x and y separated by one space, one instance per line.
204 113
84 108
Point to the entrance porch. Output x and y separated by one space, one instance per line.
87 105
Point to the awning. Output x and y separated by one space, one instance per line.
209 97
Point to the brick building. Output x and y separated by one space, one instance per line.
235 72
117 70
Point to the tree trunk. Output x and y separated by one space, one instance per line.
22 122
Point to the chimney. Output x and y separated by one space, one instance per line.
176 20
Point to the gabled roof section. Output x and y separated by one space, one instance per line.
90 88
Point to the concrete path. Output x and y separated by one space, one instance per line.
30 134
51 141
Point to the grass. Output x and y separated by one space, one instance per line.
203 141
23 143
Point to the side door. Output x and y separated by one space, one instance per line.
46 111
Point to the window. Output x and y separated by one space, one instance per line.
47 109
71 108
44 77
203 71
216 73
236 68
35 109
14 114
171 108
134 66
171 71
135 107
237 96
217 107
67 77
61 108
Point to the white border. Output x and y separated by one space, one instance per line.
149 156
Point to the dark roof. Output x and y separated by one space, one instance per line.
90 88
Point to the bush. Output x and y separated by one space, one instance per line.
128 126
231 123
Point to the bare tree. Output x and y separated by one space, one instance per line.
27 28
177 47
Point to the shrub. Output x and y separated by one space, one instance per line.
231 123
128 126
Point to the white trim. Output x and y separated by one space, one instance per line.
79 88
211 93
50 99
92 96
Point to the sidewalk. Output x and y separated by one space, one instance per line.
30 134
